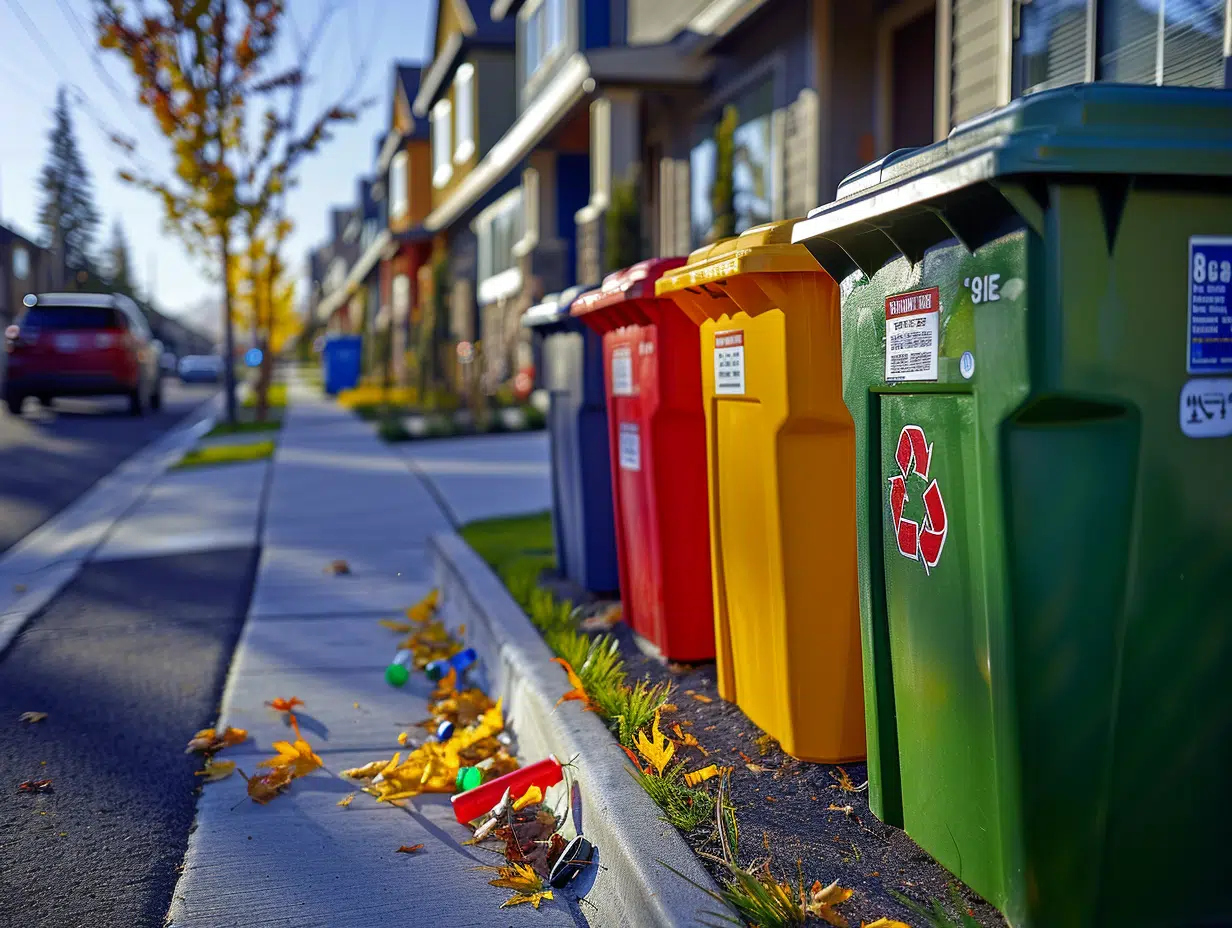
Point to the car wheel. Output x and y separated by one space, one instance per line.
44 401
136 404
156 398
14 403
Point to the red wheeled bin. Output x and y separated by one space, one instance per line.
652 363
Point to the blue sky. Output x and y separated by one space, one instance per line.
380 31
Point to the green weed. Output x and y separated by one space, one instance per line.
938 917
686 807
630 709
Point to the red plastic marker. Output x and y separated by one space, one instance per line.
481 800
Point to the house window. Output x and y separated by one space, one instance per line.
464 100
442 145
398 205
752 170
497 230
1139 42
543 34
21 262
401 297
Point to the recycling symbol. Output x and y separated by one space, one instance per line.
920 542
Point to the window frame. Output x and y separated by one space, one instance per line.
20 249
546 54
464 113
489 278
399 186
442 142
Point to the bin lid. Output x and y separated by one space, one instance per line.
553 309
1101 134
620 290
762 248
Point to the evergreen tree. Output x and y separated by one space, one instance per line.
723 191
119 272
67 212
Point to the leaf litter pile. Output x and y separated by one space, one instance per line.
522 829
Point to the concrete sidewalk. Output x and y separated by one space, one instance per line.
337 492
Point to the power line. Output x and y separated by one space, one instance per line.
79 29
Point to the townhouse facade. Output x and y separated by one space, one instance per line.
25 267
568 138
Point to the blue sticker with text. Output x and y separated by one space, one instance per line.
1210 310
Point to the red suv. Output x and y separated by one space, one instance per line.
82 344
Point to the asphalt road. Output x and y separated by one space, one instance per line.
128 662
49 457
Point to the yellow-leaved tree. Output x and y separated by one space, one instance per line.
206 70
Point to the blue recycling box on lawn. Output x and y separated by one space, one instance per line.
582 516
340 359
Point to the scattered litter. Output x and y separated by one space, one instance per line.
459 663
34 786
577 854
409 849
338 568
32 717
532 797
477 802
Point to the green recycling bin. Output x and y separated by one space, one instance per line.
1037 354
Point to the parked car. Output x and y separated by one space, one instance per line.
201 368
82 344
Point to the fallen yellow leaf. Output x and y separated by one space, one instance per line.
299 757
701 776
393 626
657 749
700 698
823 898
527 885
346 800
32 717
403 737
884 923
533 898
285 705
531 797
216 770
688 739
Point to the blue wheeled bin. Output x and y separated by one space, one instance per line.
341 360
582 516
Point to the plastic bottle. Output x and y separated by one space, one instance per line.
459 662
399 671
470 805
444 731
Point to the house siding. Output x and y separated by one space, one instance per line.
975 63
496 96
653 21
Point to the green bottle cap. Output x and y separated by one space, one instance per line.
397 675
468 778
436 670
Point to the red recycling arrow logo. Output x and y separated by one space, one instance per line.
916 541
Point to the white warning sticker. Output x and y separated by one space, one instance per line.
729 363
913 329
1206 408
622 371
630 446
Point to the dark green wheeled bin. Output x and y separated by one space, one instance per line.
1037 354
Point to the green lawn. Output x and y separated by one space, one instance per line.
210 455
519 545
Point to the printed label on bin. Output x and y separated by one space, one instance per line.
630 446
622 371
1210 310
912 335
729 362
1206 408
920 541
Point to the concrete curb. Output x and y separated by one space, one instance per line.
39 566
631 887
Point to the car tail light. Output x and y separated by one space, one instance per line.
10 338
104 340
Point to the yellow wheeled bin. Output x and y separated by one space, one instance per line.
780 447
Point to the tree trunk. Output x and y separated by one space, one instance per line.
266 327
228 358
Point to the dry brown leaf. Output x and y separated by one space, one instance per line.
822 899
34 786
216 770
345 801
409 848
338 567
844 782
209 741
700 698
846 810
756 769
32 717
19 588
264 788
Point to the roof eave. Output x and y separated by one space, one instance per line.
435 79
